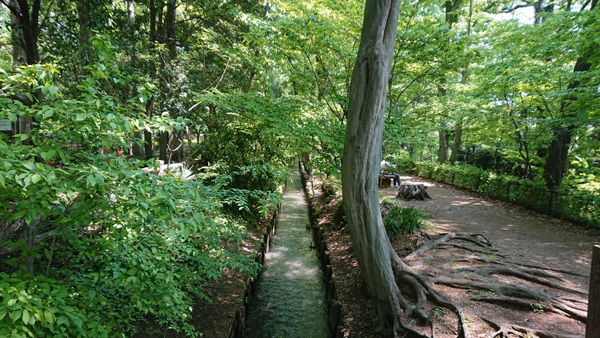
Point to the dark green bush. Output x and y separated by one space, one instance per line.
406 165
330 187
408 220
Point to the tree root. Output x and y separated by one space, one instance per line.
423 289
474 250
445 238
505 330
525 275
420 287
532 305
508 290
547 268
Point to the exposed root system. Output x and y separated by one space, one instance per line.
477 267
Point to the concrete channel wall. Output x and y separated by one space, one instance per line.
237 326
333 308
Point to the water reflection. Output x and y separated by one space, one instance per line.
290 296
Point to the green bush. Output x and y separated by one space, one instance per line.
130 247
408 220
34 306
405 165
425 169
443 173
469 177
331 187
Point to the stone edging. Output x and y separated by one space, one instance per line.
333 306
239 320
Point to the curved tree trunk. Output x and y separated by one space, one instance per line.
383 271
362 157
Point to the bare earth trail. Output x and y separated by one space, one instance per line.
522 236
526 236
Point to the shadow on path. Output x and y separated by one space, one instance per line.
526 236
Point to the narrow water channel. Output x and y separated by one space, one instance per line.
290 295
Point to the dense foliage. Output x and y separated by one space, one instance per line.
490 96
408 220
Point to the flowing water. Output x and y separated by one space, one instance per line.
290 295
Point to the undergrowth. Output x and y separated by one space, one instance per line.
408 220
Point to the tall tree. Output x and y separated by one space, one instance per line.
556 162
85 30
451 18
464 75
384 272
27 19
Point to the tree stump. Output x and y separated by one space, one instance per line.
413 191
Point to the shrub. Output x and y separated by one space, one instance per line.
339 215
130 248
577 199
405 165
34 306
330 187
408 220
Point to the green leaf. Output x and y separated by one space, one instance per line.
78 321
26 317
49 316
91 180
35 178
15 315
62 320
185 230
52 90
198 217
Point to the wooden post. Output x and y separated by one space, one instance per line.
593 317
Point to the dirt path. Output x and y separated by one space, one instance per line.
486 283
520 236
526 236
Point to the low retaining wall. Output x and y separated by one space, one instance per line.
333 306
237 326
